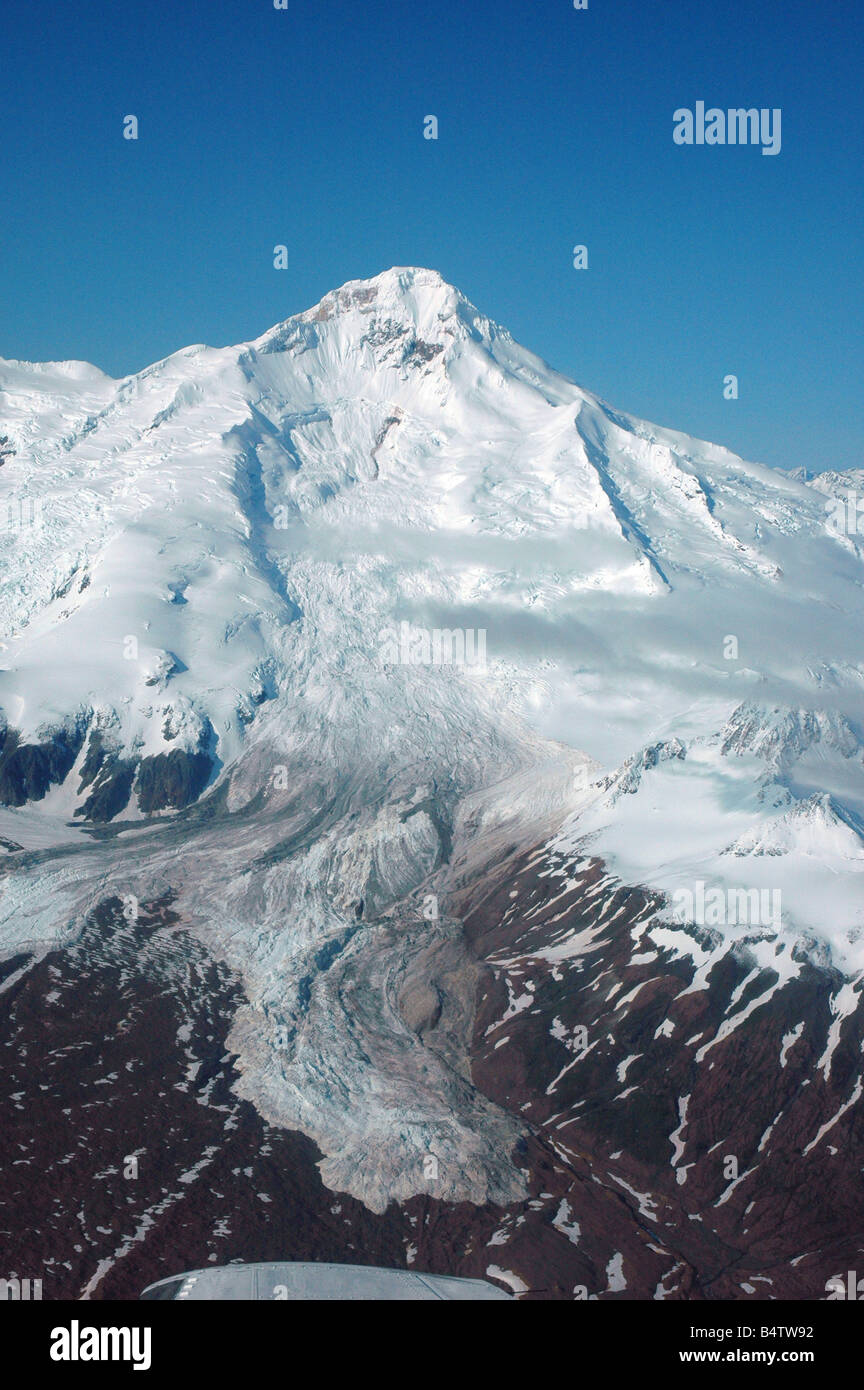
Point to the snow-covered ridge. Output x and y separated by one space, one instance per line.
199 562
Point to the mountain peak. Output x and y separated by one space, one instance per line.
414 296
400 282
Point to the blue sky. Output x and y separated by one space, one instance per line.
304 127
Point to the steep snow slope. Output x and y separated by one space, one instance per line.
206 568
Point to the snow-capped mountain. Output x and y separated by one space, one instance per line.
316 647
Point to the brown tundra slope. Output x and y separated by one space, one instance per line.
127 1156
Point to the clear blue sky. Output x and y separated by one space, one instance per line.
261 126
